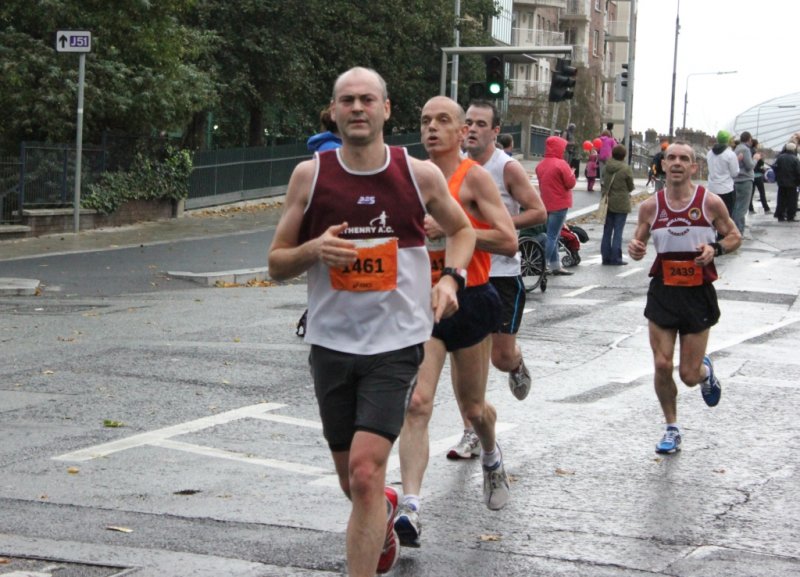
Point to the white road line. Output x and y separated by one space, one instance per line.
580 291
630 272
290 421
160 434
241 457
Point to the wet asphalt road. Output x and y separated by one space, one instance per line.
217 465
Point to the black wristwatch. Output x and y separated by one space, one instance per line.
719 250
459 274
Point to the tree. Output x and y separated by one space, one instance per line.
277 61
140 76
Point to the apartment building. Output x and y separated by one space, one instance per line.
597 30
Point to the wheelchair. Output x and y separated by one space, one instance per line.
531 248
532 242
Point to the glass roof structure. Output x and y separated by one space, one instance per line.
772 122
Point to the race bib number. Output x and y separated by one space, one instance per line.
375 268
682 273
436 251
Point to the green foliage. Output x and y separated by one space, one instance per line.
263 68
147 179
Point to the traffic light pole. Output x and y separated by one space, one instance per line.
632 75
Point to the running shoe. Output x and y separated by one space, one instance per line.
670 442
519 381
468 447
390 551
496 490
710 386
407 526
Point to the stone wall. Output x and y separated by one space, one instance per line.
61 220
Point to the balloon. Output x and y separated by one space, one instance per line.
597 143
587 146
769 176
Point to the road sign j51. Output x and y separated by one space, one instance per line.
73 41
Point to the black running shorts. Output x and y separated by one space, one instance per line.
512 296
363 392
479 314
688 309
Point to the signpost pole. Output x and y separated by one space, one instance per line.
79 147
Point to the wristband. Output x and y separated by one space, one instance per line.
719 250
459 274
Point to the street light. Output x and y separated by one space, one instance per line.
686 93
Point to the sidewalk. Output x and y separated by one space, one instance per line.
195 224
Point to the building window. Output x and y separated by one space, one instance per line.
598 5
569 36
595 41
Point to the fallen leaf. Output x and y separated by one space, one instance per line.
112 424
490 537
226 382
560 471
119 529
48 372
237 340
4 561
187 492
73 470
720 471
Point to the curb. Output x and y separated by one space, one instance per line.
19 287
241 276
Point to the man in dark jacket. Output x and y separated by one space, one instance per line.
787 176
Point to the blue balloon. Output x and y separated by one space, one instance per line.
769 176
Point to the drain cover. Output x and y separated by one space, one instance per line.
27 567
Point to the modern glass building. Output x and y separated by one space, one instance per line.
772 122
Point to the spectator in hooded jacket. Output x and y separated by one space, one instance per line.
607 144
787 176
722 169
743 182
556 181
328 137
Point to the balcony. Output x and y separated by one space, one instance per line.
528 37
580 55
576 10
535 3
617 31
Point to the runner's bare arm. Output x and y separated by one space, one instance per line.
287 259
526 194
480 196
637 247
731 238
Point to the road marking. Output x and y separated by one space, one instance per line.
580 291
241 457
152 437
630 272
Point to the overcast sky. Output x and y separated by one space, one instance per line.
758 38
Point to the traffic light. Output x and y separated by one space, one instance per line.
477 91
621 86
562 87
495 77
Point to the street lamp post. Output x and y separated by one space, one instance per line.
686 93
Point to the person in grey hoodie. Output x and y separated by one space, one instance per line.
743 183
723 167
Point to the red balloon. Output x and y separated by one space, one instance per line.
597 143
587 146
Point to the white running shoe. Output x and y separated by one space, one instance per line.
467 448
